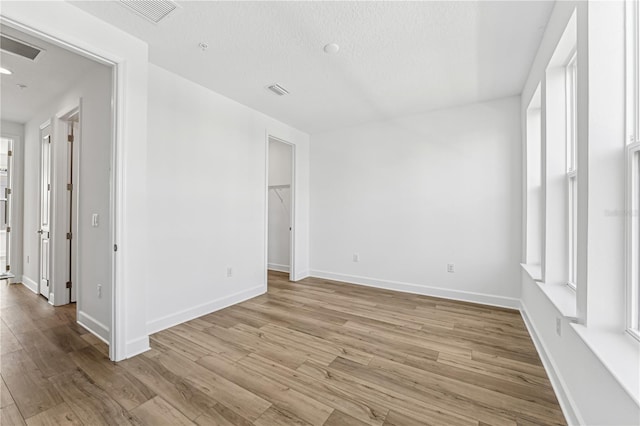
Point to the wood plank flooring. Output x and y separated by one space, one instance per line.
314 352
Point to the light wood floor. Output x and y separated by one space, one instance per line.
314 352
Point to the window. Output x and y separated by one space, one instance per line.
633 220
572 178
633 167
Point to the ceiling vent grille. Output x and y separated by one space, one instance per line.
153 10
19 48
278 90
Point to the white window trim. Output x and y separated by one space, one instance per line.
572 205
571 163
632 190
633 239
632 15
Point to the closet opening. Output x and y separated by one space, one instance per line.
280 211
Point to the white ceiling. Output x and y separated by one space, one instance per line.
53 72
395 58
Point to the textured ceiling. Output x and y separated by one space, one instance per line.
395 58
46 78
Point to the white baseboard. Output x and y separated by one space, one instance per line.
567 405
137 346
277 267
206 308
301 275
30 284
465 296
94 326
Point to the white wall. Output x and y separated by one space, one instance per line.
93 185
206 187
413 194
279 202
593 365
15 131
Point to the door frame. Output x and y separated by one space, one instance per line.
117 339
16 186
64 208
292 238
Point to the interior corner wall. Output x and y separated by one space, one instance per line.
411 195
16 132
207 185
93 184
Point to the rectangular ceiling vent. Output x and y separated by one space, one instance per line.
19 48
153 10
278 90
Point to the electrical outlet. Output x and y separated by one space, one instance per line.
229 271
558 326
450 267
356 257
99 291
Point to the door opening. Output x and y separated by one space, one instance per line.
6 183
280 212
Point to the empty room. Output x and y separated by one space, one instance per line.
385 213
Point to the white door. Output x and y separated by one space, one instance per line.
45 211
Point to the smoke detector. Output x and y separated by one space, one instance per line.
153 10
278 90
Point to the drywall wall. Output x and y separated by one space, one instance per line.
279 205
15 131
207 179
411 195
65 22
608 394
93 184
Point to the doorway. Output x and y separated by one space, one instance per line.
6 204
280 211
67 229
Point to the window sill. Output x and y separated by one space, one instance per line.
618 352
562 297
534 271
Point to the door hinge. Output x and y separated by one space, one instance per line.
8 229
7 191
70 138
68 284
69 187
115 247
9 153
69 235
49 139
8 268
48 187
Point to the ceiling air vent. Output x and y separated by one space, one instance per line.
278 90
153 10
20 48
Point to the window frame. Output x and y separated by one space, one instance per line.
633 237
571 105
632 159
